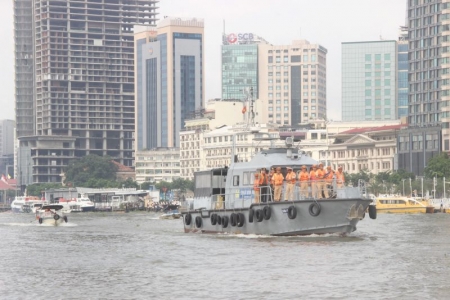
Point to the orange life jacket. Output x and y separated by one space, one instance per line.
290 177
312 175
277 179
256 185
263 179
329 176
340 177
303 176
320 174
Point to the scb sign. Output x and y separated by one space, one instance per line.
240 37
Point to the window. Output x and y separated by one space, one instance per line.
270 60
368 57
368 67
378 112
270 73
377 66
305 58
368 102
387 56
377 93
387 111
368 74
378 102
378 82
247 178
285 59
377 57
236 180
368 92
387 92
387 101
387 82
295 58
387 73
387 65
368 82
305 108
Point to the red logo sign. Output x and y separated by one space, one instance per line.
232 38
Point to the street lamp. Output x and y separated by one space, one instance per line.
403 186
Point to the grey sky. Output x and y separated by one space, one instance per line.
327 22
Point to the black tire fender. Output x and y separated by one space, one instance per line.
259 215
314 209
65 219
240 219
251 213
198 222
225 221
233 220
267 212
56 217
213 219
372 212
219 220
292 212
40 220
188 219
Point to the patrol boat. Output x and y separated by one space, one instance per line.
224 201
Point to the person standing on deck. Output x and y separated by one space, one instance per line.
291 179
256 188
278 183
303 177
263 184
313 179
271 183
329 175
320 181
340 178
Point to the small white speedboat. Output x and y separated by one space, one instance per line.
171 212
51 214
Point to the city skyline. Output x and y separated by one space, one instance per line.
300 18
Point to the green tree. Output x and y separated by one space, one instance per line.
37 188
438 166
91 171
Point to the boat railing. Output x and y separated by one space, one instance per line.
242 197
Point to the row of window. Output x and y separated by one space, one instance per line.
378 66
363 152
377 102
387 82
387 92
368 57
387 112
378 74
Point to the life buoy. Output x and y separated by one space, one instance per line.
188 219
40 220
292 212
198 222
65 219
314 209
372 211
259 215
233 220
213 219
56 217
225 222
240 219
219 220
251 212
267 212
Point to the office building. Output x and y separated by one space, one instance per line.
428 132
292 82
402 73
83 66
369 80
240 65
159 164
169 80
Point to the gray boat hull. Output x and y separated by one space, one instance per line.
336 216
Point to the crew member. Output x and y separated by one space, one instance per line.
313 180
278 179
340 178
320 182
303 177
329 175
256 188
290 179
263 184
271 183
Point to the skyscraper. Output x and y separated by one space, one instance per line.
369 80
83 65
169 80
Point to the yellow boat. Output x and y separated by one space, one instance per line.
402 205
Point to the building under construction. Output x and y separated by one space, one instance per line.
82 99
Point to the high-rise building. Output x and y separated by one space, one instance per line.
402 73
292 82
369 80
83 65
240 64
169 80
429 85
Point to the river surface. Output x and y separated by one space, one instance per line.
137 256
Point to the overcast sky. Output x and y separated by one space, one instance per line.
326 22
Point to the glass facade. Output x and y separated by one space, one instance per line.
239 70
402 95
369 89
164 99
187 81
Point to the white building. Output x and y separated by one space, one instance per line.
158 164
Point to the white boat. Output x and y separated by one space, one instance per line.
82 204
86 204
171 212
51 214
26 204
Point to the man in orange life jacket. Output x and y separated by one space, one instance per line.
263 184
340 179
256 188
278 183
290 179
303 177
313 180
329 175
320 182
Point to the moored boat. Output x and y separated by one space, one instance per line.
51 215
225 202
171 212
402 205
